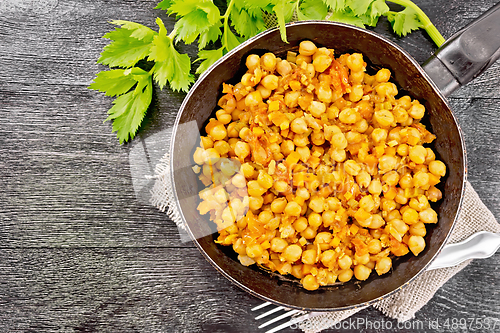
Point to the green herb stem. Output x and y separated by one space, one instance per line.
226 21
428 26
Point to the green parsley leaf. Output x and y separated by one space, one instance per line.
359 7
113 82
169 65
210 35
335 5
190 26
196 17
348 17
209 57
312 10
130 44
265 5
164 4
405 21
376 9
282 10
247 23
229 39
129 109
139 31
184 7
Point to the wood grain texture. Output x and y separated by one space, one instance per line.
81 248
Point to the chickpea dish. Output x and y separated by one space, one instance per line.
314 168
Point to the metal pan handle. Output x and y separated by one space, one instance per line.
466 54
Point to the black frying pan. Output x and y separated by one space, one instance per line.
462 58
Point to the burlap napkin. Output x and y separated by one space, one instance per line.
402 305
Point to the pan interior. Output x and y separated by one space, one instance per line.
200 105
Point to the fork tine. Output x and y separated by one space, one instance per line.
289 323
263 305
283 316
276 309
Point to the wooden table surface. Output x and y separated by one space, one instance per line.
81 252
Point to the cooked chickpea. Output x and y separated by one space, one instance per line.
418 229
367 203
383 117
328 257
387 163
410 216
375 187
278 205
376 222
355 62
317 108
242 149
383 75
363 179
268 61
270 82
348 116
434 194
308 233
345 275
362 259
293 209
321 63
253 99
417 111
352 168
374 246
345 262
278 244
437 168
317 204
254 250
416 244
379 135
265 180
383 265
252 61
218 132
292 253
428 215
400 226
310 283
280 186
356 93
255 189
417 154
309 257
406 181
307 48
303 59
420 179
283 67
361 272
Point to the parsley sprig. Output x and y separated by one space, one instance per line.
130 43
138 56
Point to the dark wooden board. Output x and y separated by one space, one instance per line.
81 248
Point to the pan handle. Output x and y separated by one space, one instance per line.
466 54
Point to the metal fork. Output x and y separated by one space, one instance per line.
480 245
300 316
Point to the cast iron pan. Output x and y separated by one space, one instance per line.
462 58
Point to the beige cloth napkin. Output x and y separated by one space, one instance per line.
402 305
